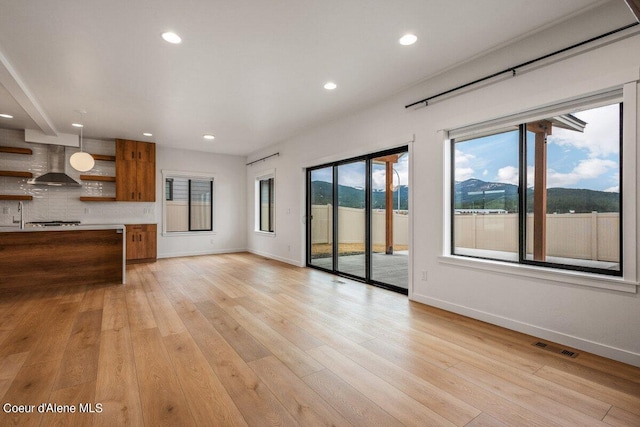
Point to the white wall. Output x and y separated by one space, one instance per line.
602 321
230 233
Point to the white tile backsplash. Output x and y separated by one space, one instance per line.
63 203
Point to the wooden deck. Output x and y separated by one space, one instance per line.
240 340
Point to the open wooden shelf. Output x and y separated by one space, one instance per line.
98 178
103 157
18 174
97 199
15 197
16 150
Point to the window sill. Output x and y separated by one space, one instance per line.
265 233
541 273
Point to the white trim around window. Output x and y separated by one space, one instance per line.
265 216
199 176
630 162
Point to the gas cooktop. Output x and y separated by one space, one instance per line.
53 223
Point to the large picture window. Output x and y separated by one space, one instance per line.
545 191
188 204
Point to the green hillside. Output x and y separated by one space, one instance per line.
354 197
477 194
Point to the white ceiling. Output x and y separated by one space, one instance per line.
248 71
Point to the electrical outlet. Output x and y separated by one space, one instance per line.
424 276
5 210
288 248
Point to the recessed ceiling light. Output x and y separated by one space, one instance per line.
6 116
171 37
147 134
408 39
77 125
330 85
209 137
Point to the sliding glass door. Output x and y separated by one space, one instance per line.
320 214
352 228
358 218
390 219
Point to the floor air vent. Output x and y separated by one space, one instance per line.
555 349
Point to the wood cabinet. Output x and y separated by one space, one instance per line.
135 171
142 242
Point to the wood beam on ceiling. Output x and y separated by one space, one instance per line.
391 158
17 88
634 5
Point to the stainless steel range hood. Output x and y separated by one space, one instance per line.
55 176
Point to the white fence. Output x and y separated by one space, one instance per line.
351 225
592 236
177 215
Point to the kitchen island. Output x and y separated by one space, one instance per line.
36 257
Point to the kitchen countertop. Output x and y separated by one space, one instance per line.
28 228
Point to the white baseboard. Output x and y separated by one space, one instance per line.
277 258
603 350
198 253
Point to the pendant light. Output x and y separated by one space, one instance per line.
81 161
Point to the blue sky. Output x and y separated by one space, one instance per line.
574 160
352 174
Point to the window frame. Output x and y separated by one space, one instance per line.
270 176
626 279
197 176
452 180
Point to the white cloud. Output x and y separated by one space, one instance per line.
593 168
463 159
463 170
352 174
508 175
462 174
615 189
601 136
378 179
586 169
378 174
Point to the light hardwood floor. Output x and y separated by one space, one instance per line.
240 340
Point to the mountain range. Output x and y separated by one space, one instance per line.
351 197
477 194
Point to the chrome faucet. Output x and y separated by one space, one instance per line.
21 220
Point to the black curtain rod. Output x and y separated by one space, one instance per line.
264 158
516 67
